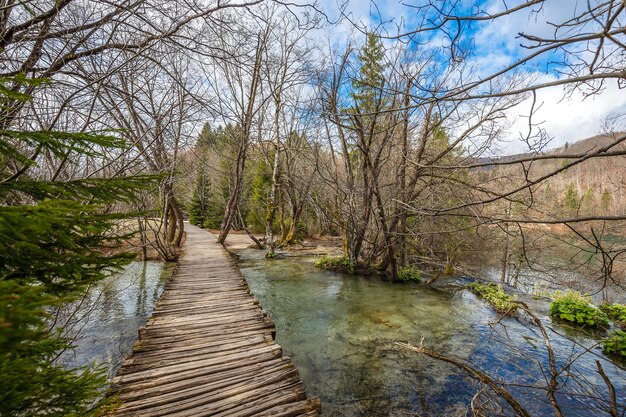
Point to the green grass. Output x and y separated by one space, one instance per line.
576 308
617 312
409 274
337 264
615 344
495 295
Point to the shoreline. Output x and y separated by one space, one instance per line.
323 246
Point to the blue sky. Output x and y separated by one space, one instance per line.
495 45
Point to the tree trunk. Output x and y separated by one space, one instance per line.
270 241
232 205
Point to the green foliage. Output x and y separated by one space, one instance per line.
571 201
338 264
197 213
409 273
52 234
548 193
576 308
31 384
301 230
214 146
605 200
57 244
207 137
617 312
495 295
205 209
615 344
260 186
367 86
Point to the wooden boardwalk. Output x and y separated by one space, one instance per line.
208 349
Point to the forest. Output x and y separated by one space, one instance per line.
407 139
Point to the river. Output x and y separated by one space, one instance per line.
341 332
106 321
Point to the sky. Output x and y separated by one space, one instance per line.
565 118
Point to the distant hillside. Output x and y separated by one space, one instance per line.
578 147
589 144
594 187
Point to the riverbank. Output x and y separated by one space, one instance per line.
322 246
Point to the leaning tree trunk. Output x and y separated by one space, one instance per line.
172 219
270 241
232 205
296 212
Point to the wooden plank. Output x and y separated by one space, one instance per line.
208 348
133 374
152 345
150 390
212 394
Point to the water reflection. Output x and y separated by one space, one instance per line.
106 321
341 333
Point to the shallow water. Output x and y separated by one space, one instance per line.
341 332
106 321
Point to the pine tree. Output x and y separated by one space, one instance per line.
571 201
207 203
605 200
199 207
51 239
370 81
207 137
260 184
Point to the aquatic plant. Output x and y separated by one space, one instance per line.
615 344
337 264
576 308
495 295
539 291
409 273
617 312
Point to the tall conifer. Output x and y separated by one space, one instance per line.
52 233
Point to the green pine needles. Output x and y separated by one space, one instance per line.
52 233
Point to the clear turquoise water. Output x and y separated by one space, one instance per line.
106 321
341 332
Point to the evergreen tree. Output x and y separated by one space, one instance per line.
370 81
198 211
51 239
605 200
588 200
257 199
211 188
207 137
548 194
571 201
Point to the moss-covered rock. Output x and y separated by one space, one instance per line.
495 295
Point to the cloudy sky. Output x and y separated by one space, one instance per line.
565 118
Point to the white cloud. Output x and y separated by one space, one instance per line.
566 119
497 45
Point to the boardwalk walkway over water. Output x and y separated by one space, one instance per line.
208 349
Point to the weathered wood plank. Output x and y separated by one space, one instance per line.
208 348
